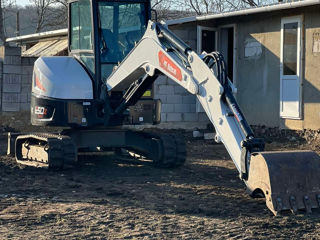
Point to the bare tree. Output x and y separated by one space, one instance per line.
2 35
4 4
58 14
201 7
50 13
42 7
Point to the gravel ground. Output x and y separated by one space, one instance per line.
108 198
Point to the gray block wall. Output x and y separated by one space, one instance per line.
178 105
16 80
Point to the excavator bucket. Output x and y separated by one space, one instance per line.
289 180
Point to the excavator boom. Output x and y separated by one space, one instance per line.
288 180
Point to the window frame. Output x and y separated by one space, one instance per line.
78 51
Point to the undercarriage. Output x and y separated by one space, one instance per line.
60 150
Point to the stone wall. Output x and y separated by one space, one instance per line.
16 80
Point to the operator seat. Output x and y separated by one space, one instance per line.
108 46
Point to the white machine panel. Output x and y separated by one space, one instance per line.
61 78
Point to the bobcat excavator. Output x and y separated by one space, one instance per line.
115 54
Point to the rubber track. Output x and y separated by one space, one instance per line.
63 152
174 151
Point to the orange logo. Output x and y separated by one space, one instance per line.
169 66
39 84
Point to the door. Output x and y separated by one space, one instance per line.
206 41
227 49
290 68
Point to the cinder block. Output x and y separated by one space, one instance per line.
203 117
11 88
13 69
182 108
25 61
12 51
163 98
24 97
174 117
10 107
26 79
11 79
190 117
209 136
25 106
161 80
163 117
174 99
190 99
180 90
25 88
166 89
12 60
32 60
167 108
10 98
28 61
172 82
192 108
27 70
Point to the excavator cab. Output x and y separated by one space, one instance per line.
102 33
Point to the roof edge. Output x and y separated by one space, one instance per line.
268 8
36 36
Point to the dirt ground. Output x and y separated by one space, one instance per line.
108 198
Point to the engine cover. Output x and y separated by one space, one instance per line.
62 93
61 78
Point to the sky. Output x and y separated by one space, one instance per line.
23 2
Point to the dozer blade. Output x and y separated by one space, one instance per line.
289 180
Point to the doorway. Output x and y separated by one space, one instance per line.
227 49
207 39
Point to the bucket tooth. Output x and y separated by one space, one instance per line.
307 204
289 180
293 205
279 205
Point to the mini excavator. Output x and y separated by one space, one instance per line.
115 54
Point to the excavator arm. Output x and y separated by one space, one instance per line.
288 180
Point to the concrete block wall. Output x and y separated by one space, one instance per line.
16 80
178 105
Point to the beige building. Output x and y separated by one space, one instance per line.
273 56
